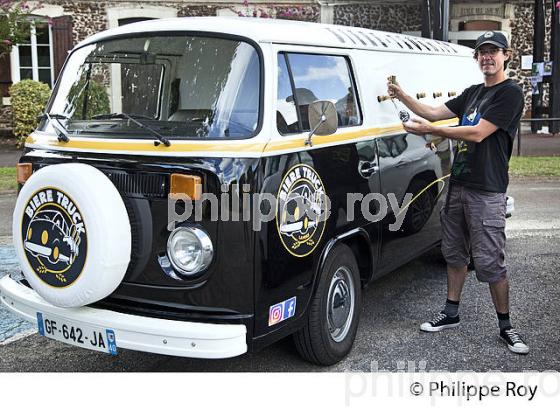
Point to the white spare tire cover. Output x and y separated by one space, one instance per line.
71 234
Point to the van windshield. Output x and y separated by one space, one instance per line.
184 87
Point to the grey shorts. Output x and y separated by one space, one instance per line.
475 222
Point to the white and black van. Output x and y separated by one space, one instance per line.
204 187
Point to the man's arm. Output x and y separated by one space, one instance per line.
422 110
472 133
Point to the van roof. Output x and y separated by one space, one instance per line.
266 30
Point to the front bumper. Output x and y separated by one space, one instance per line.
169 337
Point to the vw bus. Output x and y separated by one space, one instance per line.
136 224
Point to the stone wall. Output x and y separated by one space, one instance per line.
5 117
522 43
300 13
195 10
391 17
90 17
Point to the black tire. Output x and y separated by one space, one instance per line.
420 209
315 342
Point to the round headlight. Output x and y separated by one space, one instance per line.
190 250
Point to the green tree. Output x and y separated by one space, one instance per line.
14 23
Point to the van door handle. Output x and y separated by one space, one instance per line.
367 168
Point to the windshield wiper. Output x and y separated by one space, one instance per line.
160 138
60 129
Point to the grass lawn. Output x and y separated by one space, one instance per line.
534 166
8 179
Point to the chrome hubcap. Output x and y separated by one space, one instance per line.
340 304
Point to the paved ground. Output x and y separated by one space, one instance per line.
9 155
538 145
7 203
388 336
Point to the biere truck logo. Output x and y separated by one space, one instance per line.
302 210
54 237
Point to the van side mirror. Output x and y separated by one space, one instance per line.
323 119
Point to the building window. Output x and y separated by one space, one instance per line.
33 59
479 25
469 31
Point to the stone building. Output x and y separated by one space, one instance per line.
60 24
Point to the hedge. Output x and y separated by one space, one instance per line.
28 99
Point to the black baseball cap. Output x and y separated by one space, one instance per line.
492 37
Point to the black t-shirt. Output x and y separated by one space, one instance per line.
484 165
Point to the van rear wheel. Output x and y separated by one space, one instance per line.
420 209
334 310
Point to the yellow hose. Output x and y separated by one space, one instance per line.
424 190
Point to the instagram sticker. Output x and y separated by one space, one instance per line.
275 314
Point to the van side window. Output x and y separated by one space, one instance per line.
286 115
316 77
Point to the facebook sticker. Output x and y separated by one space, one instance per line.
289 308
281 311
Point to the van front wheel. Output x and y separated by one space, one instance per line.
334 310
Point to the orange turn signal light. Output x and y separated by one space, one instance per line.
23 172
189 185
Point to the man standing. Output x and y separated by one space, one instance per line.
473 219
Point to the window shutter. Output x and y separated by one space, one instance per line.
62 41
5 75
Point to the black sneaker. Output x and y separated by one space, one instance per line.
440 322
513 340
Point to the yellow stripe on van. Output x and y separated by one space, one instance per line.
176 146
348 136
231 146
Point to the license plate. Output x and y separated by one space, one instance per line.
77 334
